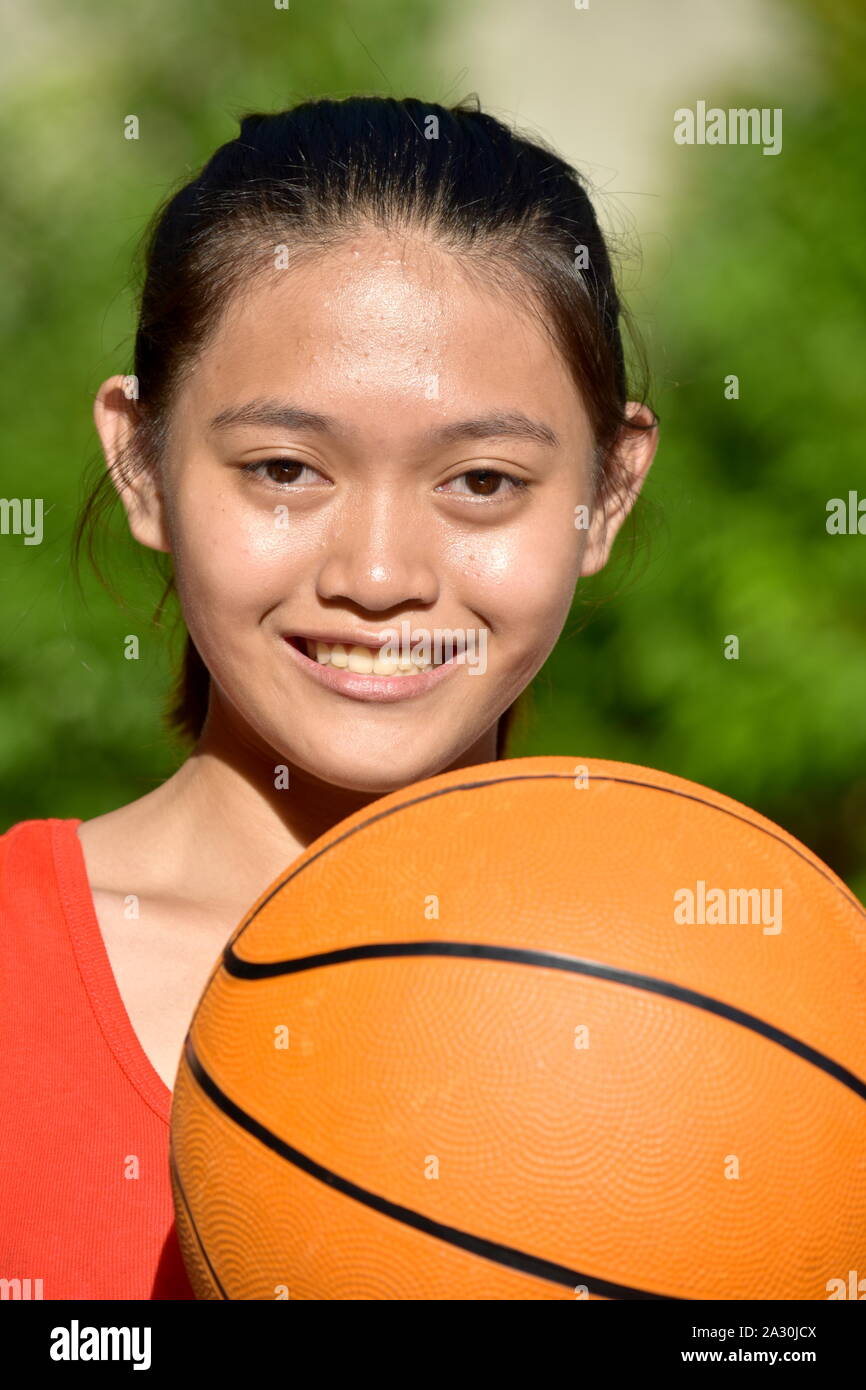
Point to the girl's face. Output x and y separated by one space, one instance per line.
370 440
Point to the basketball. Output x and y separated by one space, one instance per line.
545 1028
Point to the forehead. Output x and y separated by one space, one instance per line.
384 325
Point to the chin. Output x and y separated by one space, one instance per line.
374 771
375 775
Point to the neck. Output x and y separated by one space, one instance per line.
230 820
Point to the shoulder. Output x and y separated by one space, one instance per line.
32 855
29 839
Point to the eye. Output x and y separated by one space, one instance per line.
284 473
488 480
281 468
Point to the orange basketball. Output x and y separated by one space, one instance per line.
539 1029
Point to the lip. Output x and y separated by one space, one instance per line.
385 689
347 639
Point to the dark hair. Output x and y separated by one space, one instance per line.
310 176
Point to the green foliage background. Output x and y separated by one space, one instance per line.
764 279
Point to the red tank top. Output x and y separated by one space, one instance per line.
85 1196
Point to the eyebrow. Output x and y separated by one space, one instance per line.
497 424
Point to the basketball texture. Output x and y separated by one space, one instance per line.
547 1028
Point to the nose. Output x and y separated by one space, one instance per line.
378 555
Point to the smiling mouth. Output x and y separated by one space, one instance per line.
361 661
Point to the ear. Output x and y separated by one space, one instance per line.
115 414
634 452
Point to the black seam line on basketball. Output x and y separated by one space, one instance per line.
477 1245
552 960
527 777
172 1163
546 777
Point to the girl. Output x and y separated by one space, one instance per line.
378 387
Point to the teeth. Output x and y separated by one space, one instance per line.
384 666
362 661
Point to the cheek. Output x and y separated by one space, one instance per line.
230 561
523 577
